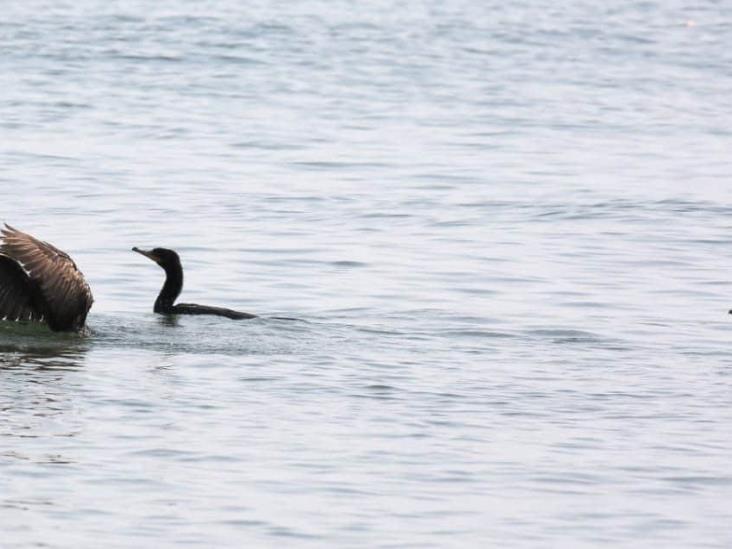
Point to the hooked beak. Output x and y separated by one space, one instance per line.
149 255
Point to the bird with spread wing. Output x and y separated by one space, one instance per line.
39 282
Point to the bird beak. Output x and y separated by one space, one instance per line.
149 255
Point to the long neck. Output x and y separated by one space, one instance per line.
171 289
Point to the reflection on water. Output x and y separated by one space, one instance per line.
48 357
34 346
168 320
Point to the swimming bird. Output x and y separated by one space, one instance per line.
165 303
39 282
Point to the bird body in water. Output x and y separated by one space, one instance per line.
169 261
39 282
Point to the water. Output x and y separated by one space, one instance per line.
503 229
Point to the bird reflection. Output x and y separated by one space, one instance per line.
53 354
168 320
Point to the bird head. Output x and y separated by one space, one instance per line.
162 256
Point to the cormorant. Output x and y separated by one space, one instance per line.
41 283
164 304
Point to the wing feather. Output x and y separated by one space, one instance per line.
16 292
67 295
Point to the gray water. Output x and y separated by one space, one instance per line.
503 229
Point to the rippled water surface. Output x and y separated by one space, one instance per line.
502 231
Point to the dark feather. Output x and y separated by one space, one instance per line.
17 295
195 309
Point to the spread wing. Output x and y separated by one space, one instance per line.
67 295
16 292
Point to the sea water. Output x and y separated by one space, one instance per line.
503 231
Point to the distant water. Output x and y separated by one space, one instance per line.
505 230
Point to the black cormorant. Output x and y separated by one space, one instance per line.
41 283
165 303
